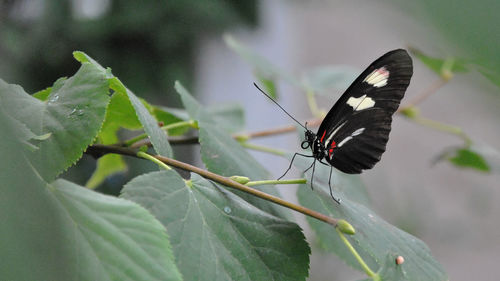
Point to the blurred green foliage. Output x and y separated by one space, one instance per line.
472 28
149 44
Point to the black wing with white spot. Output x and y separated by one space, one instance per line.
356 130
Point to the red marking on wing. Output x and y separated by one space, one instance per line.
332 146
323 136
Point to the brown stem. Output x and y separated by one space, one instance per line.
99 150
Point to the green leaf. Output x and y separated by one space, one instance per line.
125 240
223 155
479 157
439 65
466 158
72 114
374 237
490 154
120 114
157 136
44 94
62 231
216 235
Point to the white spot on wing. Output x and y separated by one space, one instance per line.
361 103
344 141
355 133
378 77
358 132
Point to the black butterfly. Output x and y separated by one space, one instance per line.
354 133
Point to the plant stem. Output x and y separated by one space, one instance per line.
360 260
99 150
151 158
294 181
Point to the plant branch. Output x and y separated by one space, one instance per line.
99 149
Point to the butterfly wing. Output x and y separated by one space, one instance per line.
356 130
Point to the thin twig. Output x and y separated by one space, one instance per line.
99 149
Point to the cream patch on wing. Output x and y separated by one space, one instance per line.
361 103
378 78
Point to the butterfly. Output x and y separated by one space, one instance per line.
353 135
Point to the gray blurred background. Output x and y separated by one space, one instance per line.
454 211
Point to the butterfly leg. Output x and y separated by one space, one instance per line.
312 176
291 162
330 186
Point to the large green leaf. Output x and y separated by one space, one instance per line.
71 117
218 236
62 231
157 136
125 111
223 155
125 241
374 238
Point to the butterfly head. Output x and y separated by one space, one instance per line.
311 141
310 137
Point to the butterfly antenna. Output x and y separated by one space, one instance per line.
278 105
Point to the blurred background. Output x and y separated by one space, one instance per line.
150 45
